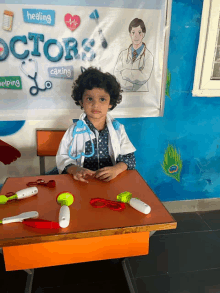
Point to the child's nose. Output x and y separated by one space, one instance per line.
95 103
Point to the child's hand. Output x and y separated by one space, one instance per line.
80 173
107 173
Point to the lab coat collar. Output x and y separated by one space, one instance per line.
140 55
114 137
109 118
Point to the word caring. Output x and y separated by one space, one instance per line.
39 16
10 82
61 72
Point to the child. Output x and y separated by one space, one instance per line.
97 145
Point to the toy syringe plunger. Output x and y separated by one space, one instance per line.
136 203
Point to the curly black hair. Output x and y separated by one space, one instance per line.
94 78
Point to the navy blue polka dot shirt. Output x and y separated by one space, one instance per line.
101 157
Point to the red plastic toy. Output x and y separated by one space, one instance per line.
50 183
102 203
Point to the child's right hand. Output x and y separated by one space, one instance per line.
80 173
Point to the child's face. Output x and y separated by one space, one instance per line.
96 103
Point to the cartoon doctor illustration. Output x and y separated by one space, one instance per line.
135 64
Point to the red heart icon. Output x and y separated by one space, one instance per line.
72 22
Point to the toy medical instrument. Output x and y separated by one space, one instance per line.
20 218
136 203
80 124
65 199
24 193
41 224
35 89
102 203
50 183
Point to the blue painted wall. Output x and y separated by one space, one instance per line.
191 124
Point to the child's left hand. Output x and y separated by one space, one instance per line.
107 173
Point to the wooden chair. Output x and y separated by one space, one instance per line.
48 141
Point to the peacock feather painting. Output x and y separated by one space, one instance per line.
172 164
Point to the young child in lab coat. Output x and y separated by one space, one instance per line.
97 145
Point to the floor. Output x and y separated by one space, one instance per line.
185 260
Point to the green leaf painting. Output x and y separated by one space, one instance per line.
172 164
167 92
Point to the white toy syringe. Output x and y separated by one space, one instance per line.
136 203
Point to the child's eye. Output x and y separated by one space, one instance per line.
102 99
89 99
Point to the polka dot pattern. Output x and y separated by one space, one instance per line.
128 159
101 156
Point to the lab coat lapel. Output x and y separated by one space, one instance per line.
114 142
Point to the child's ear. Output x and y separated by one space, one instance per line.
81 103
109 106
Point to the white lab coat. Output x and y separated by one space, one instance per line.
118 143
134 76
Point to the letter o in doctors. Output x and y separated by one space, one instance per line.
46 50
13 41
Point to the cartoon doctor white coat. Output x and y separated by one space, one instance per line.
134 76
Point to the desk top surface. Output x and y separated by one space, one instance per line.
85 220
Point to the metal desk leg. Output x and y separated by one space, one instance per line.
128 275
42 165
30 277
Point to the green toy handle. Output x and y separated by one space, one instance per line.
124 197
13 197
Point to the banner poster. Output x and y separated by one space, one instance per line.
43 49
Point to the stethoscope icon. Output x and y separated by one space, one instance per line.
35 89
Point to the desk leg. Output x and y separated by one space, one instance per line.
29 282
129 277
30 277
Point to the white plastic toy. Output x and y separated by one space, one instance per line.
136 203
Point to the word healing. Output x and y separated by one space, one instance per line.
39 16
10 82
70 47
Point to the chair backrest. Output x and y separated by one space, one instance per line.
48 141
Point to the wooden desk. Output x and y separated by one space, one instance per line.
93 234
